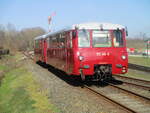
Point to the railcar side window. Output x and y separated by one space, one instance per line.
50 42
57 39
118 38
54 42
83 38
62 41
101 38
47 40
36 44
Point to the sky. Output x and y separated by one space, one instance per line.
135 14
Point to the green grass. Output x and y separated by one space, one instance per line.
2 67
140 60
4 60
20 93
14 100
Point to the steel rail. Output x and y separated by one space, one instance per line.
137 85
130 78
139 67
110 100
129 92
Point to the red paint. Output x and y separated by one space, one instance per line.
67 58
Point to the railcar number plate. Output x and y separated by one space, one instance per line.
102 54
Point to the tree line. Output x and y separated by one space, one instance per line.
22 40
15 40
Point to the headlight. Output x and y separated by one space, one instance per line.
81 58
123 57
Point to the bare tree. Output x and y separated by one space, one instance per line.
2 35
18 40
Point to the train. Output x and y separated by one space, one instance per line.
92 51
3 51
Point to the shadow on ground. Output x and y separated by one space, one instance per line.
76 81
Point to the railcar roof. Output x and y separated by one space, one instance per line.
91 25
51 33
39 37
97 25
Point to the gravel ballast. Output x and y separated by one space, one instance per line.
68 98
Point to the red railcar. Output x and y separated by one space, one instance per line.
89 50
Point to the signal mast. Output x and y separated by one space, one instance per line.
49 20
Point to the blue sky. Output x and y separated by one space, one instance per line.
135 14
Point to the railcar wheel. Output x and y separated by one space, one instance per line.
82 75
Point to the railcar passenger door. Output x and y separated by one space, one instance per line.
40 50
45 51
69 56
61 58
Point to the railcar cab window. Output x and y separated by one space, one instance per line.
83 38
101 38
118 38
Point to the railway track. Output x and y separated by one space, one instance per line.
109 99
121 98
139 67
29 54
128 91
133 81
139 90
136 85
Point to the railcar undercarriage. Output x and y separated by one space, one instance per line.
101 72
